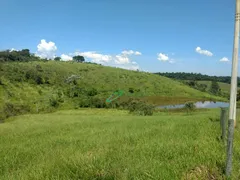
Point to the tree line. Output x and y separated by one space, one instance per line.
192 78
24 55
197 77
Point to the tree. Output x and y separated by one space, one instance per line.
192 83
57 59
215 88
14 55
24 52
202 87
78 58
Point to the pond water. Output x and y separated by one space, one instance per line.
200 104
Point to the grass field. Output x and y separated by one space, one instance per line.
111 144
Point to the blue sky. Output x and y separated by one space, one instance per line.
112 31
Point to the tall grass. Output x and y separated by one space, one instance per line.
111 144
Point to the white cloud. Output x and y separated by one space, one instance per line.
204 52
162 57
46 49
131 52
165 58
13 50
138 53
95 57
65 57
129 67
133 68
224 59
120 59
171 61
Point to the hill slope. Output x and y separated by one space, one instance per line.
197 77
225 87
38 84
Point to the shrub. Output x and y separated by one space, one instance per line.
140 108
113 104
97 102
39 79
92 92
92 102
39 68
10 109
1 82
131 90
54 102
190 106
40 92
84 102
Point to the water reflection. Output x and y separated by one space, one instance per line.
200 104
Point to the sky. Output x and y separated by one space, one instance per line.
149 35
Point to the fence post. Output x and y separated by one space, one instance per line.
223 121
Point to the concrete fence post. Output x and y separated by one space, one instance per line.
223 123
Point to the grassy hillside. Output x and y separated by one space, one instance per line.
224 86
41 86
110 144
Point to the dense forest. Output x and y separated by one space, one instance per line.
197 77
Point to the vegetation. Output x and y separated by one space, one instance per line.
96 141
45 86
215 88
203 83
197 77
140 108
78 59
23 55
110 144
190 106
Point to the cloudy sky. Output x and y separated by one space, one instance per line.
151 35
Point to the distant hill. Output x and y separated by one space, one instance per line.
225 87
197 77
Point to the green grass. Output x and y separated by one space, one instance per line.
110 144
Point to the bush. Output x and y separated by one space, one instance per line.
39 68
190 106
10 109
92 102
1 82
97 102
92 92
131 90
39 80
140 108
84 102
54 102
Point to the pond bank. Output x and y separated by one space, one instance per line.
199 104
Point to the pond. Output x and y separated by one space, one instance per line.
200 104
